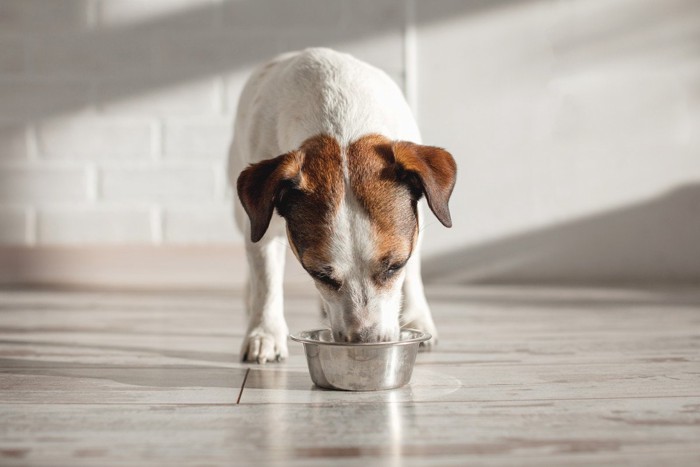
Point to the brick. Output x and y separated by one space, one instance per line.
12 53
158 185
158 15
373 17
195 53
43 186
233 55
41 98
93 225
234 83
205 138
201 225
111 55
280 16
384 50
92 138
222 181
13 225
41 16
139 97
13 142
204 53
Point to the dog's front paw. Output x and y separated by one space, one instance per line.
425 325
263 345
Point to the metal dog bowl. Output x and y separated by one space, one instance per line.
360 367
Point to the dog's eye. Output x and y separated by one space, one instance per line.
396 266
326 279
390 271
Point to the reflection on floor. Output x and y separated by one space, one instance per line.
521 375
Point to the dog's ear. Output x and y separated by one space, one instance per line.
429 170
259 186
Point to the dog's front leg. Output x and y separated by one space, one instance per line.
266 337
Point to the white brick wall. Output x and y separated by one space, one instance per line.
202 97
197 138
14 226
197 225
12 53
159 184
31 97
41 185
179 15
93 139
106 57
30 16
116 115
319 16
103 225
13 141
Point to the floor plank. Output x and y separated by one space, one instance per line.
522 375
120 385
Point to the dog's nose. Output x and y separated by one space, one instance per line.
366 334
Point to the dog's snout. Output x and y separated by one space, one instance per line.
368 334
362 335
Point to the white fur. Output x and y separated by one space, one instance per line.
294 97
353 249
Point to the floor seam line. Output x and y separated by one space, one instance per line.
240 393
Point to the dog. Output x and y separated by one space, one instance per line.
330 143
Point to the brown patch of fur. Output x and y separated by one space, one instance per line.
435 170
387 178
305 185
391 207
258 187
310 203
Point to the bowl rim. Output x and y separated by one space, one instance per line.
422 337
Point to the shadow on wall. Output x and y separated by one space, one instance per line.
653 241
129 58
118 61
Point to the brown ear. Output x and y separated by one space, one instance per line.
435 170
258 188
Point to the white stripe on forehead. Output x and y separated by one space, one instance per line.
352 242
352 246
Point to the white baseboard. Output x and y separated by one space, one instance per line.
133 267
223 267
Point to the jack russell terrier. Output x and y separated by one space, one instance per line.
347 183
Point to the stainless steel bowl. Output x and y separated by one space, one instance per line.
360 366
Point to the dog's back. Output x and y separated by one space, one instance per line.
311 92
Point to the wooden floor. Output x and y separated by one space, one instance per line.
521 376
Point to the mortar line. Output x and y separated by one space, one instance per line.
409 56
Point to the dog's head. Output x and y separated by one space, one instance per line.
352 220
